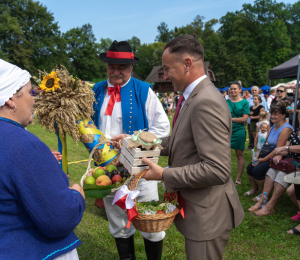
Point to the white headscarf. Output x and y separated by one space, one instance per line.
12 78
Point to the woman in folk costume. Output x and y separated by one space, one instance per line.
38 210
123 105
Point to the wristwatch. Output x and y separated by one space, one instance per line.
287 148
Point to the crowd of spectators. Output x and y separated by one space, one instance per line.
268 120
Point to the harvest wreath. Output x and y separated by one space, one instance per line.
63 101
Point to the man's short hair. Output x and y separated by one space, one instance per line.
186 44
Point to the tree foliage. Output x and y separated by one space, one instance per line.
150 56
164 34
84 52
247 44
249 41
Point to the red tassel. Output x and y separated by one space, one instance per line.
131 213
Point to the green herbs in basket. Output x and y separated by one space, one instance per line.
155 207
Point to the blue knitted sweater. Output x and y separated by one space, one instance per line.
38 211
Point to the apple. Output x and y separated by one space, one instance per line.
99 172
110 168
89 180
103 168
116 178
160 212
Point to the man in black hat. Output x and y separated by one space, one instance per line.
123 105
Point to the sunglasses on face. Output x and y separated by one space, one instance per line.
281 91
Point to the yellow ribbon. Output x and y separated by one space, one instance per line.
106 155
85 131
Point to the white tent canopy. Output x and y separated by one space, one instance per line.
288 84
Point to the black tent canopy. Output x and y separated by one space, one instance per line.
287 69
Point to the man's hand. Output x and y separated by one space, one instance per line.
78 188
57 156
155 171
118 141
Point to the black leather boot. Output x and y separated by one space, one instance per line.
125 248
153 249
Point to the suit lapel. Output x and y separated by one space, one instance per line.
200 86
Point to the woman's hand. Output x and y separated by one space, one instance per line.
251 112
258 161
57 156
280 150
78 188
276 159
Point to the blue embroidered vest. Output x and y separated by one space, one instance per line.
133 103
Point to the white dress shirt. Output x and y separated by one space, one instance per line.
190 89
158 122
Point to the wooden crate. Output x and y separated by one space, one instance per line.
131 158
133 170
138 153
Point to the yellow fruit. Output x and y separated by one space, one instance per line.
105 183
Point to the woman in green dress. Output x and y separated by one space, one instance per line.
239 109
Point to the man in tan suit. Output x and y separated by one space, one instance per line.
199 154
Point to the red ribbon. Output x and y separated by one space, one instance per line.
114 93
181 203
120 55
131 213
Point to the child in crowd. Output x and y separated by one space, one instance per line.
261 136
263 118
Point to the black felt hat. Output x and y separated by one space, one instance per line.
119 53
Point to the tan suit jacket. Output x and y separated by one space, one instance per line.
200 165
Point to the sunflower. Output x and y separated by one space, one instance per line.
50 83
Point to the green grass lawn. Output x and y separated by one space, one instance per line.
255 238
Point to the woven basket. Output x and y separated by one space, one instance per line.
89 171
152 223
